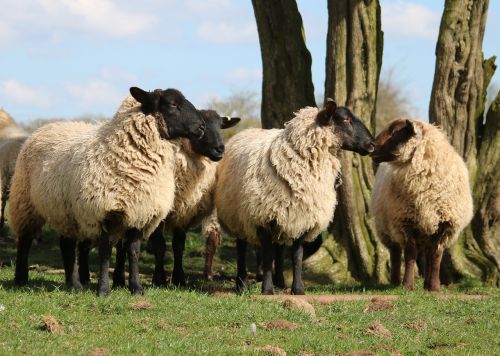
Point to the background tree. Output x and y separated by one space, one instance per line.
242 104
457 104
353 62
287 80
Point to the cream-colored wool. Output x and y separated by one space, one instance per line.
8 127
72 174
194 186
280 176
426 185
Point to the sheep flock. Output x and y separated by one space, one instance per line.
160 165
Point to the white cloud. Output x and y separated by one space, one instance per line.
409 20
244 76
6 32
14 91
95 92
225 33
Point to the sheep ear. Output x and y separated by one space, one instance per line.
330 106
228 121
140 95
413 128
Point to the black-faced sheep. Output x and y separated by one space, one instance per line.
102 181
421 199
194 186
277 186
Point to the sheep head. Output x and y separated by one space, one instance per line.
177 117
353 134
391 144
211 144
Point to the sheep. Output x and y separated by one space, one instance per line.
101 182
196 162
12 138
421 199
277 186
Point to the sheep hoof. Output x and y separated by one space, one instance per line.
259 277
241 286
267 292
137 291
103 292
178 279
298 291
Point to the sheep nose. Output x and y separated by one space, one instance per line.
371 146
220 149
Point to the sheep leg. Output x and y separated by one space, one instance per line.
266 245
68 252
297 256
133 244
428 264
410 259
241 278
23 249
119 272
212 241
178 244
158 247
83 262
104 257
278 278
2 218
435 254
395 252
258 267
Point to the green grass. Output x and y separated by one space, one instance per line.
192 321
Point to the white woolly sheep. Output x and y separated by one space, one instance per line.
12 138
101 181
277 186
196 163
421 199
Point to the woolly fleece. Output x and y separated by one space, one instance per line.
284 177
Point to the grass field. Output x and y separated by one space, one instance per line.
207 318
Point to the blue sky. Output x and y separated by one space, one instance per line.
70 58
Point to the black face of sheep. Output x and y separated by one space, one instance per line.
177 117
354 134
211 144
389 140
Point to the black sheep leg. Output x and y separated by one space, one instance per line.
178 244
68 252
2 218
104 258
266 245
23 249
158 247
278 278
297 255
119 272
241 278
83 262
133 247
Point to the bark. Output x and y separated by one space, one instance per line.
457 105
287 81
353 61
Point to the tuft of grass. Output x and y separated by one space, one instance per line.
207 318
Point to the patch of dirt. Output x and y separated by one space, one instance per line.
99 351
471 320
417 325
141 305
217 293
377 304
361 353
306 353
51 325
326 299
13 325
272 350
181 329
280 325
377 329
300 305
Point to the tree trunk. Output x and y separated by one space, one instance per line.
287 81
457 105
353 61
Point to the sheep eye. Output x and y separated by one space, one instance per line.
173 105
